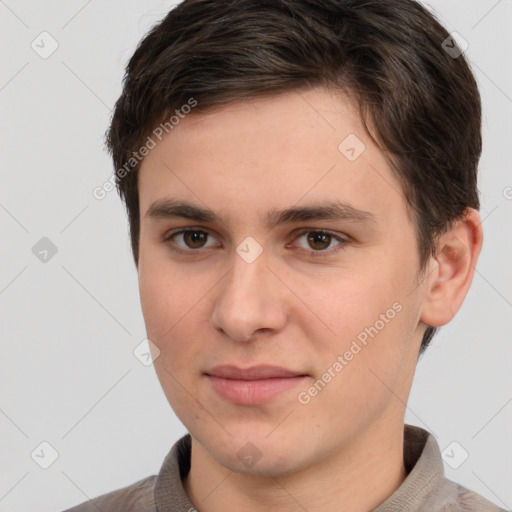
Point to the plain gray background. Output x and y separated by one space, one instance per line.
70 324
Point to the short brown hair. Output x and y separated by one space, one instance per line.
422 102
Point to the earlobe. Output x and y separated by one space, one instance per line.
453 267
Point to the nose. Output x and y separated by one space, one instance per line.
250 300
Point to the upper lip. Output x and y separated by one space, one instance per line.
252 373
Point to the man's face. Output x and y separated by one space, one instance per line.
340 310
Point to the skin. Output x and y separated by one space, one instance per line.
343 450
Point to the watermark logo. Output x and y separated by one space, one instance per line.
146 352
249 249
351 147
455 455
455 45
44 250
45 45
249 455
44 455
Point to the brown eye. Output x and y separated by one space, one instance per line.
319 241
195 239
189 240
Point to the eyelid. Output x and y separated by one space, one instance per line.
169 235
342 239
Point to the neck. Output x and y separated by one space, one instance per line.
355 478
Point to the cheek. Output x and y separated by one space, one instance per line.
159 307
370 323
347 302
372 330
162 307
174 307
169 327
165 289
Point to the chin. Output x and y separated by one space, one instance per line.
258 455
270 465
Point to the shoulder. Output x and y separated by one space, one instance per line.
450 496
426 488
137 497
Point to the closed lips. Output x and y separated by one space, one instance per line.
253 373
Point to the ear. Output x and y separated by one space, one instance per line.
450 271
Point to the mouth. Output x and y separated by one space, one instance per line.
252 386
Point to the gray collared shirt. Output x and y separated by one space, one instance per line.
425 488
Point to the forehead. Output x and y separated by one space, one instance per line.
266 154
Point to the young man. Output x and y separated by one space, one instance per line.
300 180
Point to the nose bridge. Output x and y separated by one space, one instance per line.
248 300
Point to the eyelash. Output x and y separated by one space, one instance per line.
314 254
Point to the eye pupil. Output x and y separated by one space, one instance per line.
319 238
194 239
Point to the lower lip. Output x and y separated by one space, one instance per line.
252 392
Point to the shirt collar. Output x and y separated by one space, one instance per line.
422 459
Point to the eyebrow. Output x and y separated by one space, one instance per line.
171 208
